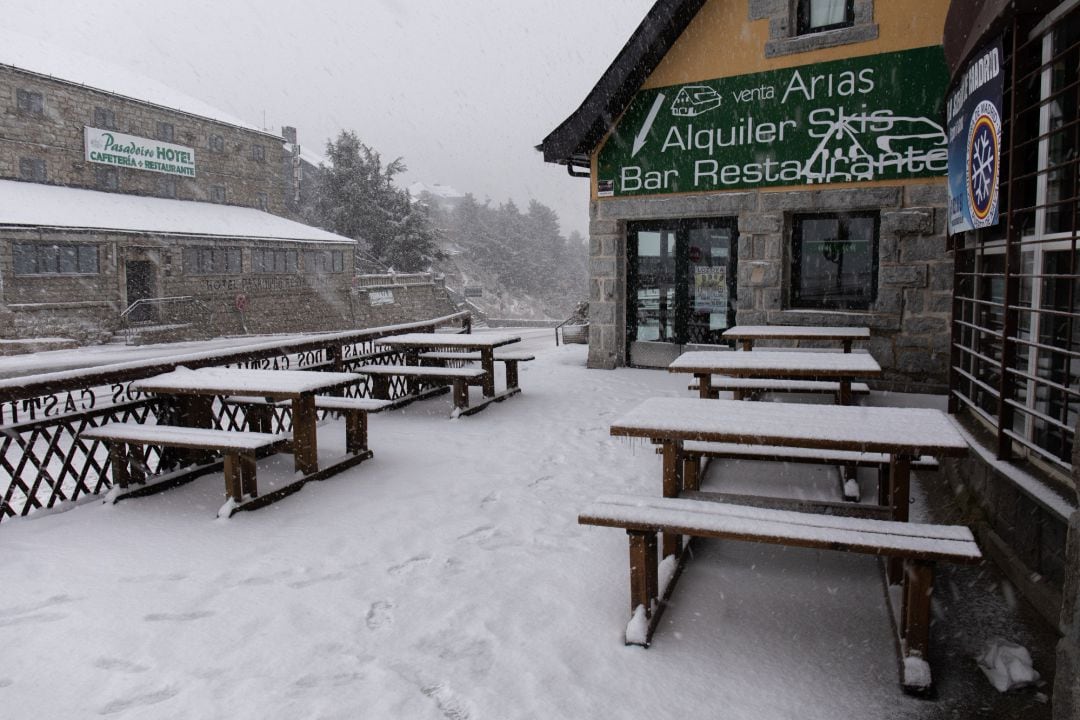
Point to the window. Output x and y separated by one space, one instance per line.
40 259
820 15
262 201
258 153
324 262
32 169
166 187
106 178
217 193
211 261
165 131
104 118
834 261
217 143
264 260
29 103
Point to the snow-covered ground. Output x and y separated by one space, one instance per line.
447 577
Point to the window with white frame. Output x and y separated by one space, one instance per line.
820 15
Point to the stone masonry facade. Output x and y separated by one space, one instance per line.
247 164
909 321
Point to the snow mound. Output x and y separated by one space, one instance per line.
1007 665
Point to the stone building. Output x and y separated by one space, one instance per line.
115 205
769 162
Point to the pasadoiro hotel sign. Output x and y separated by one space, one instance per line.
120 150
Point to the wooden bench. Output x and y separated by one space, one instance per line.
258 413
750 388
919 546
694 451
460 378
510 359
239 449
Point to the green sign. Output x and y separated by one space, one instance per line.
130 151
867 118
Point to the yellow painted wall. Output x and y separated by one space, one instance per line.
721 41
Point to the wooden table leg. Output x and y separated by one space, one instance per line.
487 361
747 344
847 345
305 446
672 486
644 575
511 374
704 381
915 613
234 486
899 494
845 391
118 456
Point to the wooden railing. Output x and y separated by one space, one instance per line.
43 462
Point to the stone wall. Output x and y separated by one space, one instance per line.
56 136
410 303
909 320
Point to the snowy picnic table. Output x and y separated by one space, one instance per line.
749 333
485 343
194 391
842 367
903 433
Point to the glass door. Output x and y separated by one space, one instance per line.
681 280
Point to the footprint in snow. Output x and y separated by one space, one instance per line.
450 705
119 665
300 584
150 698
379 615
178 617
409 564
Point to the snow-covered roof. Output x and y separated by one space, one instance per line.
63 63
309 155
38 205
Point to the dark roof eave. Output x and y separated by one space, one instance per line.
579 134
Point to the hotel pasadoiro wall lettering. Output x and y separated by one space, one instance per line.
257 285
870 118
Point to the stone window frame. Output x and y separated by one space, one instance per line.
104 118
46 258
324 262
208 260
217 194
106 178
792 274
258 153
166 132
273 260
784 37
33 169
29 102
216 143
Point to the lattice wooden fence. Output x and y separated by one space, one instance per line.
43 461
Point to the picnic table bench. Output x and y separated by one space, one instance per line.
776 366
917 546
744 387
239 449
417 376
748 334
509 359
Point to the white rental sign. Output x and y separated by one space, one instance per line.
120 150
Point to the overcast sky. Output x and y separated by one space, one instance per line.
462 89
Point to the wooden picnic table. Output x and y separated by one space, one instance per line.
485 343
193 393
749 333
903 433
783 365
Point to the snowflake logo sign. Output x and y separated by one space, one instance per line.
983 164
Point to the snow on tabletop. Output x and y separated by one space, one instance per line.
795 331
439 339
138 432
243 381
35 204
855 427
447 573
766 361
